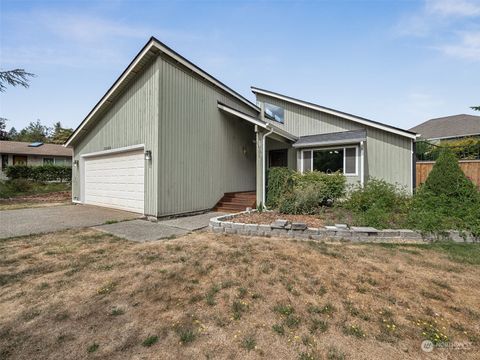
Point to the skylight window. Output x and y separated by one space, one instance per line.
36 144
275 112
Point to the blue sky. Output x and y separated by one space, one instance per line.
399 62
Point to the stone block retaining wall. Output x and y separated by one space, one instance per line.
284 229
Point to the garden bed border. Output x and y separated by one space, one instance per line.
223 224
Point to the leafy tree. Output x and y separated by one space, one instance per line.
447 200
35 131
3 129
14 77
476 108
59 134
12 134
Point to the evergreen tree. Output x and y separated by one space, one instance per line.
59 134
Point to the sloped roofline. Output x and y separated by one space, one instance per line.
338 113
157 44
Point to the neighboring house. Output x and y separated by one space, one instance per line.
168 138
32 154
449 128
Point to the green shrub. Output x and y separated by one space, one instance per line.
279 181
307 193
40 173
447 200
378 204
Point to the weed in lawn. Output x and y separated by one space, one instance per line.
107 288
354 330
306 356
187 335
307 340
149 341
242 292
238 308
431 331
292 321
210 297
92 348
110 222
117 311
249 342
284 309
335 354
326 309
278 328
322 290
317 325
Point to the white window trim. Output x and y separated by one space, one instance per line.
334 148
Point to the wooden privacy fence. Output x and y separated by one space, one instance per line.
471 168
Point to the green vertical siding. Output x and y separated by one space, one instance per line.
387 155
200 148
131 120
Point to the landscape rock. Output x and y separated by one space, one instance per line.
279 224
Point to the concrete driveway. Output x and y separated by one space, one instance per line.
48 219
143 230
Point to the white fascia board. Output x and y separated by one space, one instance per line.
329 143
263 125
242 115
333 112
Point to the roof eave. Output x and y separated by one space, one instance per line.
350 117
154 43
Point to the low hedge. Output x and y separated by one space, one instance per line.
295 193
40 173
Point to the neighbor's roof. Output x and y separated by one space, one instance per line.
449 127
336 138
344 115
22 148
152 49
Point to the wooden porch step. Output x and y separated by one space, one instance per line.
236 201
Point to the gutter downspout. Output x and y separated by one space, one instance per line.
362 165
264 136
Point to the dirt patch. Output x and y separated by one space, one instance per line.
38 200
328 217
77 294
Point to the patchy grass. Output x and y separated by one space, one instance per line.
216 296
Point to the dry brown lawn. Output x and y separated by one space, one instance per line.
37 200
86 294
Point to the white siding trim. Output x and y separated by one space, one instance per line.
113 151
344 158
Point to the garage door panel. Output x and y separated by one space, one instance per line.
116 181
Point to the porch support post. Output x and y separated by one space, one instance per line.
259 164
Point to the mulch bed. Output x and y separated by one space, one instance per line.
268 217
53 197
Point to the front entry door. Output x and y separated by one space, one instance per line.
19 160
278 158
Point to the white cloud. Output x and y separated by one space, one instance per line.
450 26
467 48
456 8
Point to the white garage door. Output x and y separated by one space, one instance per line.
116 181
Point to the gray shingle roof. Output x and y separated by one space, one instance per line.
336 138
22 148
449 126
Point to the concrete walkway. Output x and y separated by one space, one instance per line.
48 219
144 230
